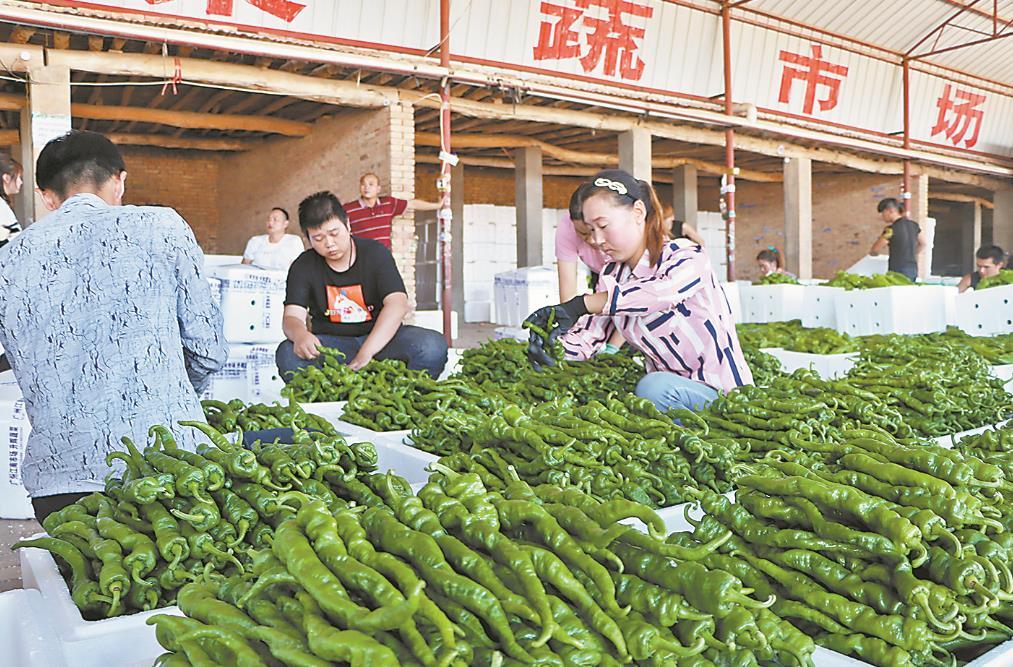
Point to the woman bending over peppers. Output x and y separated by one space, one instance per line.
661 294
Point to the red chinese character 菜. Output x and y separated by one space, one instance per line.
814 72
964 114
608 41
283 9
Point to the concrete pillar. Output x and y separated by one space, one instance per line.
975 234
918 210
1002 220
45 117
684 189
798 216
635 152
528 202
457 237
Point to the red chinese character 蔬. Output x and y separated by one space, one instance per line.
607 41
814 72
283 9
956 119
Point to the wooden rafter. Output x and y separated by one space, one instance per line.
96 43
193 119
61 40
21 34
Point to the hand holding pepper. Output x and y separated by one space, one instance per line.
543 334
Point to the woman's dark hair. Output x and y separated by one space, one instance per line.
283 211
76 158
575 203
771 254
317 209
992 252
889 202
9 167
625 190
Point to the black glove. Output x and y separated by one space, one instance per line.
543 334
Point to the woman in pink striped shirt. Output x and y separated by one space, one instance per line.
660 293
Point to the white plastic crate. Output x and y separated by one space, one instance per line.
232 380
26 634
771 303
818 306
15 502
89 642
827 366
252 302
905 309
985 312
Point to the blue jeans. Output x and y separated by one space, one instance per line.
421 349
669 391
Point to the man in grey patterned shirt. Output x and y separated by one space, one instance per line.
107 319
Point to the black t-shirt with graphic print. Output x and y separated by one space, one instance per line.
344 303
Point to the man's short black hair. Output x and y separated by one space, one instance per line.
317 209
77 158
992 252
283 211
890 202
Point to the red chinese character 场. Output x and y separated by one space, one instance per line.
610 43
814 72
965 115
283 9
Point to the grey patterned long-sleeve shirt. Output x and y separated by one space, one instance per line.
110 327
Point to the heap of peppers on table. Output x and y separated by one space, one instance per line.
537 538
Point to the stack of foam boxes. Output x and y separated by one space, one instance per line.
14 428
712 228
252 302
986 312
520 292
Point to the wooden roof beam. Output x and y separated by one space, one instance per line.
21 34
11 138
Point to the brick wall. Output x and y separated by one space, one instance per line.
332 157
845 222
184 180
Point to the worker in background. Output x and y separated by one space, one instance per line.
662 294
276 249
682 230
107 319
10 175
770 260
353 296
902 237
372 216
988 262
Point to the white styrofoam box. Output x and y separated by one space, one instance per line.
329 410
133 640
731 291
453 362
406 461
771 303
264 383
1000 656
26 632
985 312
827 366
477 291
216 289
516 333
15 502
232 380
1004 373
253 303
478 311
534 287
908 309
433 319
869 265
504 304
818 309
221 260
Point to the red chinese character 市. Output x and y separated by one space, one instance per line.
609 42
814 72
283 9
964 116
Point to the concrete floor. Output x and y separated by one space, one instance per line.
468 335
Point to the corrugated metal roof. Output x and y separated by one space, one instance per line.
901 25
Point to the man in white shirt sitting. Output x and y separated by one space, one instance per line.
274 250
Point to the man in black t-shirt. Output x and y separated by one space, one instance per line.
902 236
353 296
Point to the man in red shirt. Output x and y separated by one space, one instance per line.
371 216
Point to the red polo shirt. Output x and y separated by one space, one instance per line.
374 222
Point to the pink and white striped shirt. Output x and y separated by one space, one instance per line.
674 312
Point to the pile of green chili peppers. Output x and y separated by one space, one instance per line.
334 381
791 335
174 516
1004 277
620 448
227 417
895 554
461 575
851 281
777 279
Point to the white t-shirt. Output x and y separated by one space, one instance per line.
279 256
7 216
